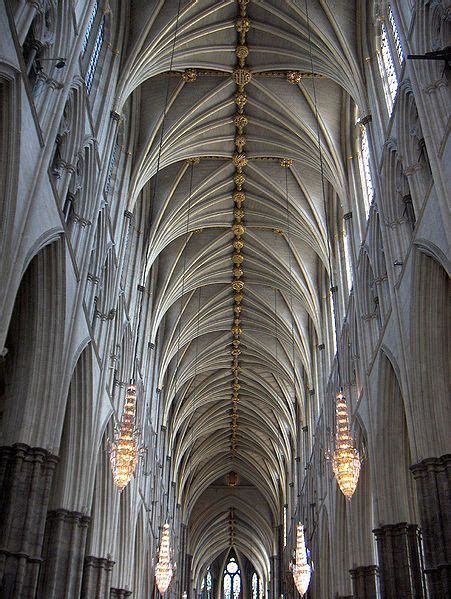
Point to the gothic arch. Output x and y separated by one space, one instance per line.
392 453
36 331
429 343
412 146
9 149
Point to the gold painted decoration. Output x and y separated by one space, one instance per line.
242 76
286 162
240 121
240 100
238 197
189 76
294 77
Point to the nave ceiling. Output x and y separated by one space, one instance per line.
190 237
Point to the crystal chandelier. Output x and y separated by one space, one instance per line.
124 448
164 568
345 459
302 571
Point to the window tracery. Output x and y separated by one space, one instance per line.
390 56
365 170
95 55
232 580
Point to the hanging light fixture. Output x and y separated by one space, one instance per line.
346 459
302 570
164 568
124 449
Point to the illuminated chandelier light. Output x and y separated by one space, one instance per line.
302 571
124 449
345 459
164 568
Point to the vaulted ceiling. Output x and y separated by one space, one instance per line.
191 239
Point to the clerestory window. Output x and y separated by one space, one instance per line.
390 57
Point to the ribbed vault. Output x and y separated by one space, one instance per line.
190 240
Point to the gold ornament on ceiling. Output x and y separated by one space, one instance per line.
242 25
239 180
240 142
240 121
240 100
286 162
238 197
238 213
294 77
238 229
242 77
239 160
242 53
193 160
189 76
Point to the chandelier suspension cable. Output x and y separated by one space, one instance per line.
346 460
164 567
194 402
323 192
154 191
290 260
182 307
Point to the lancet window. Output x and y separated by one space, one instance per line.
232 580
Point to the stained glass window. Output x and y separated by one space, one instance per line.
232 580
284 525
389 51
255 586
395 33
348 262
92 19
365 170
95 55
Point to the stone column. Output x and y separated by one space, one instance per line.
96 577
26 475
119 594
432 477
63 553
187 574
399 552
365 582
273 561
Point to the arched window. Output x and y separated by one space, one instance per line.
206 588
232 580
255 585
92 45
285 525
390 56
365 170
347 256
